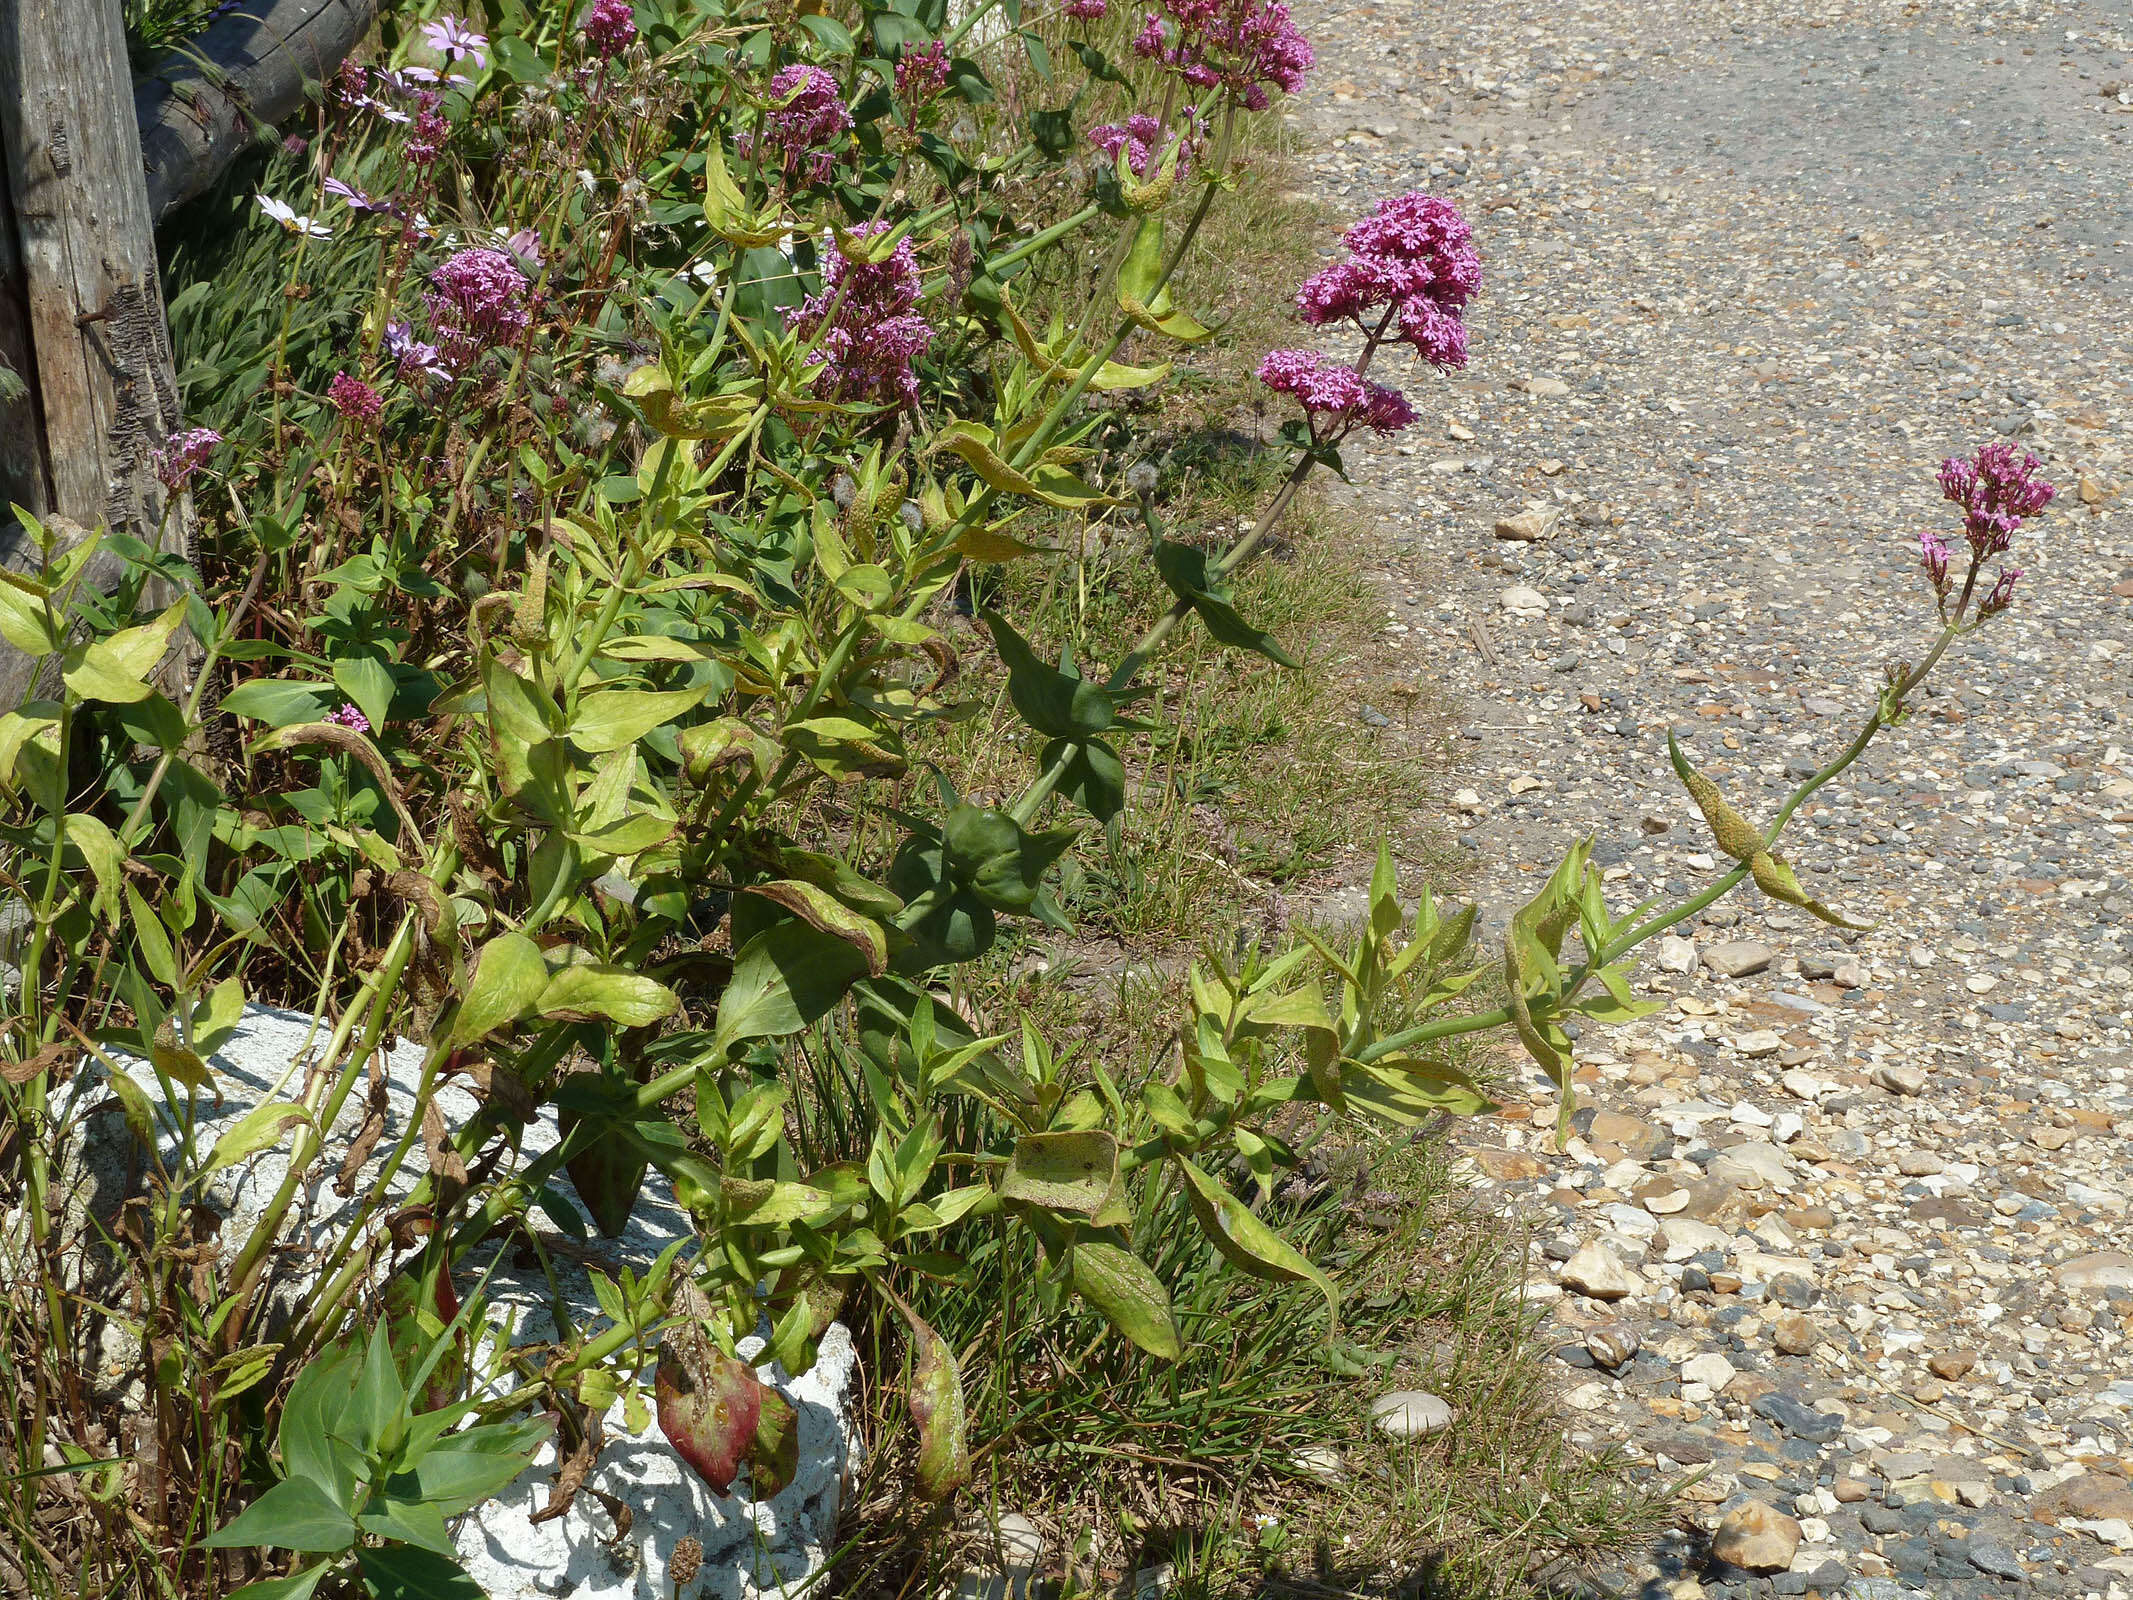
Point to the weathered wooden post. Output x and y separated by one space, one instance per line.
81 307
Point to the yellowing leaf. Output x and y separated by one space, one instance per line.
1249 1244
509 977
258 1129
115 670
582 992
613 719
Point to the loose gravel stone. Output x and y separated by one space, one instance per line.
1410 1414
1756 1536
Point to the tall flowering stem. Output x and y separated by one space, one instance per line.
1990 481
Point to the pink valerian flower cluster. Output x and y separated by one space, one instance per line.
1087 10
876 335
184 454
610 28
921 73
1933 554
1335 398
2001 595
426 140
355 400
1243 46
1996 489
350 716
1413 256
479 300
1141 137
807 113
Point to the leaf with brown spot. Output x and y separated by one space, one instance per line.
709 1406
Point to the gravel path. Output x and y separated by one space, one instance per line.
1845 1228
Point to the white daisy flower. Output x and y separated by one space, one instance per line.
291 220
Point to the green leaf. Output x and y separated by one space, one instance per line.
626 836
1249 1244
1129 1295
584 992
390 1515
517 710
1776 879
508 981
404 1573
309 1414
257 1130
216 1019
152 939
784 978
369 683
822 909
1144 262
296 1514
279 702
377 1406
297 1586
1071 1173
1001 862
1404 1091
1186 570
1046 482
1094 779
613 719
1057 703
99 847
115 670
23 622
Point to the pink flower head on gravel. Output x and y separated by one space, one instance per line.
354 399
1334 398
921 73
183 454
1933 553
1996 489
350 716
478 300
1245 47
2001 595
1414 254
610 28
807 112
869 348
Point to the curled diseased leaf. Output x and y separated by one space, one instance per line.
937 1408
710 1406
1736 835
773 1456
1129 1295
1775 879
1249 1244
1744 842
